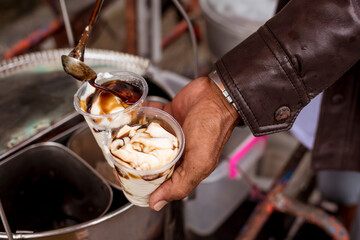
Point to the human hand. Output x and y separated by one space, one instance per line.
207 120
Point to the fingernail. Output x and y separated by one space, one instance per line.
159 205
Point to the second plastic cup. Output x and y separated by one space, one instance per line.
99 123
138 185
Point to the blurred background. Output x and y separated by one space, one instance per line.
155 31
152 29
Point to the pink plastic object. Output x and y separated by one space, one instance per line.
238 156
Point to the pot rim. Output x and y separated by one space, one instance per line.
247 27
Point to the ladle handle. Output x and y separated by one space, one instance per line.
5 222
79 51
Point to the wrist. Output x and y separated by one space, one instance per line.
216 79
225 95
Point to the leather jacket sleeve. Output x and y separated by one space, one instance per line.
294 56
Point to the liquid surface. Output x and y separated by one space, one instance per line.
107 102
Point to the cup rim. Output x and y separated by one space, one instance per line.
113 73
181 139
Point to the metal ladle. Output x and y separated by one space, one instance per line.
73 63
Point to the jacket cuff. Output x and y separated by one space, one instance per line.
263 83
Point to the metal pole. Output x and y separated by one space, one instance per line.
192 36
156 31
5 223
142 25
67 23
130 21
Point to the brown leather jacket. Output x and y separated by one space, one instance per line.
306 48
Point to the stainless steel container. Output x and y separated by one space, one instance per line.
44 215
224 31
47 187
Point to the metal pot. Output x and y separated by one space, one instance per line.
225 31
47 187
45 216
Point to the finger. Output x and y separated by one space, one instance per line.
168 108
154 104
172 189
183 181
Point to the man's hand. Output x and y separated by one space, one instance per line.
207 120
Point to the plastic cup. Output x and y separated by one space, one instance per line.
138 185
99 123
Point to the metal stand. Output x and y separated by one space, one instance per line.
148 27
275 200
5 222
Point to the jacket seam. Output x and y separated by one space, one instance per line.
292 65
352 114
287 61
319 130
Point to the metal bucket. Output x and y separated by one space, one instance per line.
233 28
47 187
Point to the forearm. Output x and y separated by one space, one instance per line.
297 54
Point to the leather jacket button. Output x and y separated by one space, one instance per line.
337 99
282 113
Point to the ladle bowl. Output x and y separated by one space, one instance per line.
73 64
77 69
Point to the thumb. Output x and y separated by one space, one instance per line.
175 188
193 169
